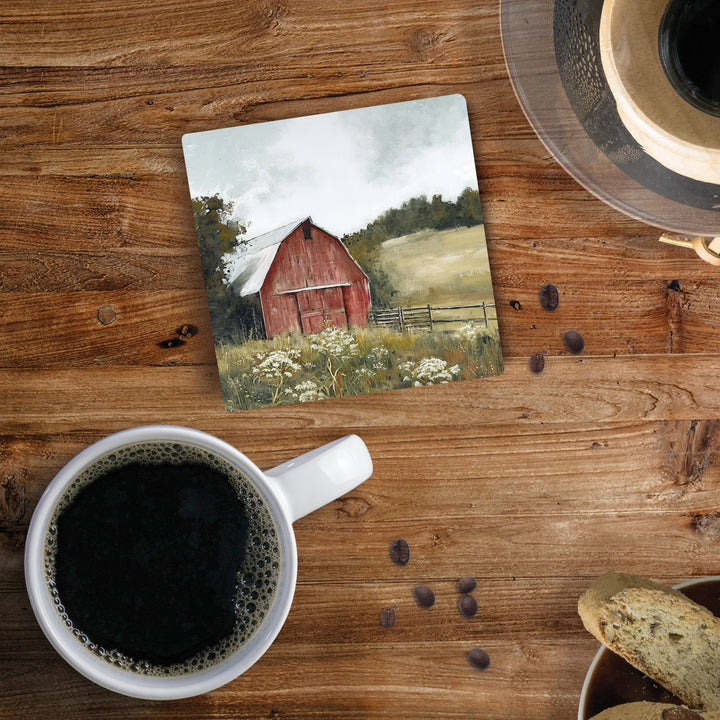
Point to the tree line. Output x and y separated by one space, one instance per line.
419 213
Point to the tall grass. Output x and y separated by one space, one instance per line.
338 362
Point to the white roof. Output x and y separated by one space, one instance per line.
252 260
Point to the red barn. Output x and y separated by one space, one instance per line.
306 279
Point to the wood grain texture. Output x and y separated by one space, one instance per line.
533 483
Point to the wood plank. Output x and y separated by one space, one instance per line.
106 213
571 389
59 124
217 32
101 322
371 681
113 328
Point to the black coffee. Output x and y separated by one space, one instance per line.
163 559
690 51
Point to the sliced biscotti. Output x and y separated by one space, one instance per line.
653 711
660 631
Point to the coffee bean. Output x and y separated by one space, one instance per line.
478 658
549 296
515 305
573 341
537 362
400 551
466 584
424 595
468 606
387 617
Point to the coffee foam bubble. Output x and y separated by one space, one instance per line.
257 579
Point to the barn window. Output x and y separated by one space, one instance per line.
306 232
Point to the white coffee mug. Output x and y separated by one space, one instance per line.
290 491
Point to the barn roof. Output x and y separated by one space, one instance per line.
252 260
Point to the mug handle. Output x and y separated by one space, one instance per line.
320 476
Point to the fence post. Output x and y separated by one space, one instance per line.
430 316
401 316
487 322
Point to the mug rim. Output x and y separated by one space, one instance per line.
100 670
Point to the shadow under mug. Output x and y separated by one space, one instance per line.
289 491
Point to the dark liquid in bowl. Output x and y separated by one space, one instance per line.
615 681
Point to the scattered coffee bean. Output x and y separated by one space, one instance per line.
478 658
537 362
424 595
549 296
387 617
400 551
468 606
515 305
573 341
466 584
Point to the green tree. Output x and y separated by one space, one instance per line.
469 210
364 246
233 318
419 215
218 234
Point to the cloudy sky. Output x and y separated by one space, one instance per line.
343 168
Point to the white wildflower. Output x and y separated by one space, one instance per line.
276 366
335 342
468 332
378 357
471 334
428 371
306 391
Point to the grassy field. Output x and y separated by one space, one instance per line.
439 268
447 267
338 362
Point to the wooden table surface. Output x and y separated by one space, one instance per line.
533 483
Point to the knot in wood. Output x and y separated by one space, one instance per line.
106 315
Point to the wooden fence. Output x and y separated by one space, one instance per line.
426 317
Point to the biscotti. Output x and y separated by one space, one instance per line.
653 711
661 632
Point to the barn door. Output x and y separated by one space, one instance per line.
324 306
